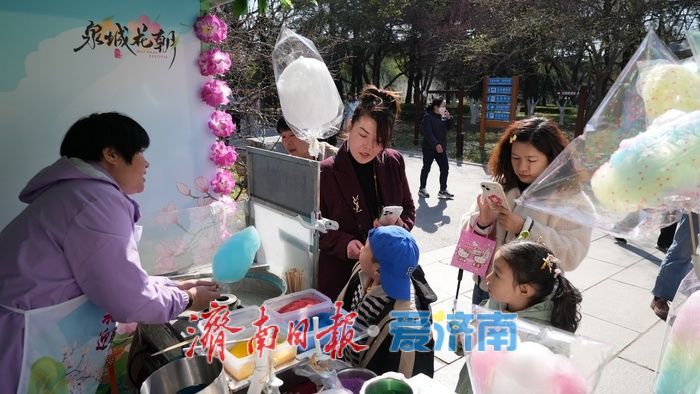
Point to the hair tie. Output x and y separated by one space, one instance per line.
549 262
513 138
558 272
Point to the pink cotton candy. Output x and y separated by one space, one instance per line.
565 378
483 364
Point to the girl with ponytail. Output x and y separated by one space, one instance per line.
526 278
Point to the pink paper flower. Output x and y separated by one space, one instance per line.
211 29
223 155
221 124
223 182
215 93
214 62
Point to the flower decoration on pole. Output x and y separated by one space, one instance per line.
223 182
223 155
214 62
211 29
215 93
221 124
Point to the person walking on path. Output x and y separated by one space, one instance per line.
676 264
436 122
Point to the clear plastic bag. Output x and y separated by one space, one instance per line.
324 374
546 360
680 357
308 96
633 171
176 241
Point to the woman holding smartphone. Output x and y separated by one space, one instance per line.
358 184
524 151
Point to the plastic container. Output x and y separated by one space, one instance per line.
324 321
239 362
353 378
274 305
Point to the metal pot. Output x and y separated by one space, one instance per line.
187 376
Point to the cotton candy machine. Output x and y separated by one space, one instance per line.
256 287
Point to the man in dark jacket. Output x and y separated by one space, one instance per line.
435 124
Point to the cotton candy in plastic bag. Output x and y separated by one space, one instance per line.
628 174
308 96
545 360
680 358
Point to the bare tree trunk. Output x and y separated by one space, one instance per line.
561 103
409 89
531 104
377 67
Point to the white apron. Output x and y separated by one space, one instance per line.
65 347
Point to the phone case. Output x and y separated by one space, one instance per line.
494 193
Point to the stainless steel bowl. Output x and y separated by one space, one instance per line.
187 376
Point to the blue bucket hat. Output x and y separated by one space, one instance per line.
397 253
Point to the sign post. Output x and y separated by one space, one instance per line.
499 103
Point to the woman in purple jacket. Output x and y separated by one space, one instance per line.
363 178
69 266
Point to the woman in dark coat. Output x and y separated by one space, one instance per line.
436 122
363 178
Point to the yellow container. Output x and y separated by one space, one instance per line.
242 367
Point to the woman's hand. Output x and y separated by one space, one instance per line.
353 249
201 297
188 284
379 223
487 214
509 220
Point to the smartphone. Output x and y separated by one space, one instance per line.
493 192
390 214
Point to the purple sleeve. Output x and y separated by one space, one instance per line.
100 247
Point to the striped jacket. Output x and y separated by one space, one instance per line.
373 308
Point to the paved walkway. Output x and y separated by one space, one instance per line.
615 282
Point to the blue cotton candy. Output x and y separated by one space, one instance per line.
236 255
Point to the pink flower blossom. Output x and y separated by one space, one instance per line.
211 29
215 93
201 184
168 252
183 189
223 155
223 182
168 214
221 124
214 62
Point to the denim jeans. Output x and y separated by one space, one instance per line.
677 262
